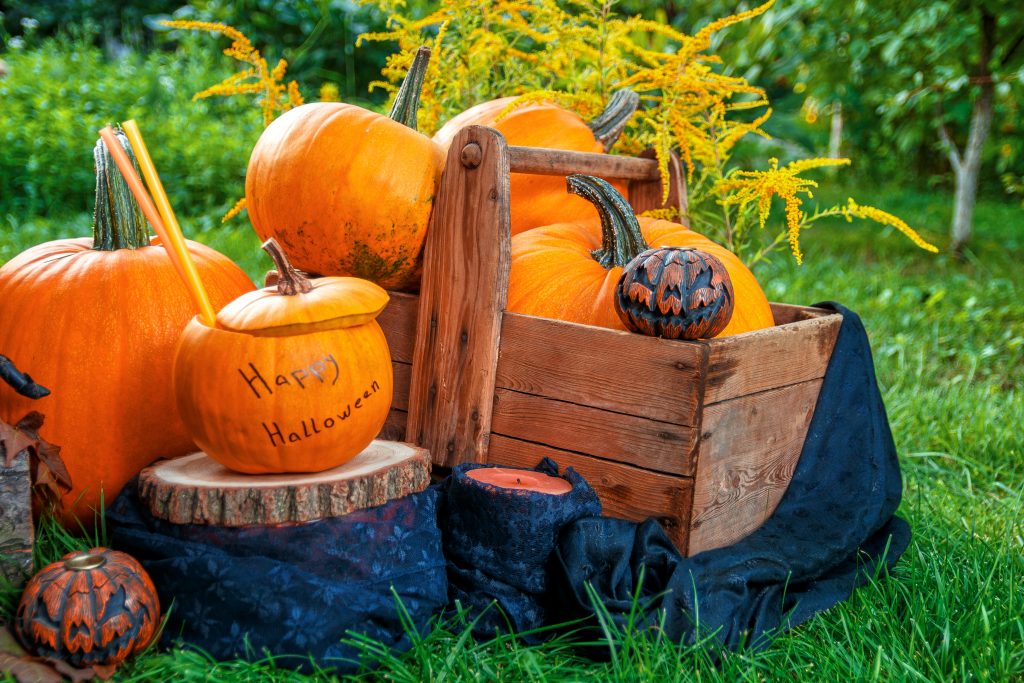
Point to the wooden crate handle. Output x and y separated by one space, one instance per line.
464 287
560 162
463 293
645 190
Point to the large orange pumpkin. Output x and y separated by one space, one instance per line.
347 191
568 271
540 199
97 321
294 378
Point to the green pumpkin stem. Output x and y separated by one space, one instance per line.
117 222
621 239
407 100
609 124
289 281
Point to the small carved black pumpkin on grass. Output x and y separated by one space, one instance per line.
676 293
90 608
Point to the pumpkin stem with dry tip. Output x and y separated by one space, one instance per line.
118 222
289 281
621 239
407 100
609 124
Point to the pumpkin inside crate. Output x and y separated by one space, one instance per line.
703 435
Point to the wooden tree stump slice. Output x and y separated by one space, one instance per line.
196 489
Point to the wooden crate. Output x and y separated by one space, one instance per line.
702 435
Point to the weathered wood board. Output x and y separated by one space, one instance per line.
462 296
197 490
16 529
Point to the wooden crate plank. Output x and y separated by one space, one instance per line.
544 161
748 451
403 380
394 426
647 194
600 368
791 313
625 491
653 445
462 297
398 320
766 359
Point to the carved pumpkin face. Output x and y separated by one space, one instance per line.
675 293
90 608
294 378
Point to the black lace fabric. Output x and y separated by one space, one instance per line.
293 591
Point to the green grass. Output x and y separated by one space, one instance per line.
948 339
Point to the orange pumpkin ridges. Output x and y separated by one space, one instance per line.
569 271
540 199
90 608
97 321
346 191
294 378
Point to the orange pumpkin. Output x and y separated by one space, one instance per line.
540 199
98 320
294 378
569 271
347 191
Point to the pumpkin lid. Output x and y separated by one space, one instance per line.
297 305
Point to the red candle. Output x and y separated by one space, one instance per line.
522 480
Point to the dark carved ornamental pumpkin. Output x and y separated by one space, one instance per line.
91 608
675 293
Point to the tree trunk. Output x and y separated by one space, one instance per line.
835 138
967 166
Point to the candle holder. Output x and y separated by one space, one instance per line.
499 538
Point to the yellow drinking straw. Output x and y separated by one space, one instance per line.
174 240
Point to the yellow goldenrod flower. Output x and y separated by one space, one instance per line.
852 209
275 97
743 187
234 210
329 92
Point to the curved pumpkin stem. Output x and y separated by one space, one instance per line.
621 239
20 381
289 281
407 100
609 124
118 222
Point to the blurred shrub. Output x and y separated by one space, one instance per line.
59 93
317 37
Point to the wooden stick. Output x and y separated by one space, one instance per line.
559 162
172 237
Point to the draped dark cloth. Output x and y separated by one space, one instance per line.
833 529
293 591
